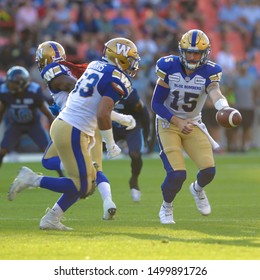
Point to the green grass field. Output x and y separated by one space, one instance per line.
231 232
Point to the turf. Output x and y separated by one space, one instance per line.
231 232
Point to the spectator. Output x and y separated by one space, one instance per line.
189 11
122 25
255 39
226 59
245 100
27 20
87 21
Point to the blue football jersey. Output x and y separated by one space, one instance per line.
22 108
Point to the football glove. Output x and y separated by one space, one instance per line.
131 122
113 151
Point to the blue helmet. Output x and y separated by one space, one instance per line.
17 79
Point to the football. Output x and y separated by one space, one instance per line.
228 117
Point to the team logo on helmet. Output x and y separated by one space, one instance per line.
124 54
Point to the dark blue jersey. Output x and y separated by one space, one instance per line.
133 105
22 108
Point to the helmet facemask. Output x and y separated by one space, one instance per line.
193 64
122 53
197 42
17 79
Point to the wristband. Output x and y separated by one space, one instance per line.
117 117
221 103
108 138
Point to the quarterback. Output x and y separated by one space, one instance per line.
89 105
183 84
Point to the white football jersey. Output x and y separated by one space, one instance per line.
99 79
187 94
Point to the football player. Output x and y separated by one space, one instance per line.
183 84
60 76
133 105
89 105
21 101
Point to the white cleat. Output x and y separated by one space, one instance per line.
25 178
166 215
201 201
109 209
135 194
50 221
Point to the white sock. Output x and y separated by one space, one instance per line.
61 166
57 209
37 182
196 187
104 190
167 204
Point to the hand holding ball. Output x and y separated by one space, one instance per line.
228 117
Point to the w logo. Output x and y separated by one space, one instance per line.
122 49
39 53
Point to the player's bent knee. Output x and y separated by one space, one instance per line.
176 178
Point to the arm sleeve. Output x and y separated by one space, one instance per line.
159 96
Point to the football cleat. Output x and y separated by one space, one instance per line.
201 200
25 178
50 221
194 41
109 209
124 54
136 195
113 151
166 215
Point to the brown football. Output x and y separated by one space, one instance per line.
228 117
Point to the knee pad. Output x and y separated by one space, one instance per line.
172 184
205 176
176 178
51 163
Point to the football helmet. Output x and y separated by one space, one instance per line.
49 52
194 41
17 79
124 54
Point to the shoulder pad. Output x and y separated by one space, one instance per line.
215 71
163 65
121 82
33 87
3 89
54 69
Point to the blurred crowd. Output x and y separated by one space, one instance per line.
83 27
